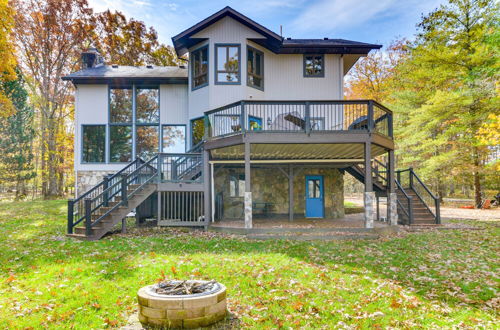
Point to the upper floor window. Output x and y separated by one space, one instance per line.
255 75
314 65
147 105
120 105
199 67
227 64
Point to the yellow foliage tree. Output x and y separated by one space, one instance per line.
8 60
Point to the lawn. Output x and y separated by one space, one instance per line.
431 279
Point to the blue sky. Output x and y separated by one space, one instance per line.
375 21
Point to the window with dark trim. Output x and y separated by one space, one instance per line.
199 67
93 143
174 138
197 130
255 68
237 185
227 64
314 65
134 122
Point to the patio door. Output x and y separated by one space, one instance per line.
314 196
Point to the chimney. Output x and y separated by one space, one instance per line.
91 58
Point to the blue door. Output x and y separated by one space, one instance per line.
314 196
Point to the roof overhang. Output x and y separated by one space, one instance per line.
126 80
183 41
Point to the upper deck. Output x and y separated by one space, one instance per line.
282 130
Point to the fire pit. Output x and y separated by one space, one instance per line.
182 304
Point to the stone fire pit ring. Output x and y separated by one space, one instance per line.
182 311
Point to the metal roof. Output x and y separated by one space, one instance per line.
146 74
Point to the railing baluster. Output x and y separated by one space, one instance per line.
88 216
410 209
308 117
71 203
124 190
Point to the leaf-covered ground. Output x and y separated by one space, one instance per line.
433 279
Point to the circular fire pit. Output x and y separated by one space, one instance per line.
180 310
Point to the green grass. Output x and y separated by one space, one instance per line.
432 280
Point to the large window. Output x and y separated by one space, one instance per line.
120 144
314 65
255 67
199 67
133 123
197 130
93 143
227 64
174 138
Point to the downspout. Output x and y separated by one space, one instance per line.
212 188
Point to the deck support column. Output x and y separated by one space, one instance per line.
206 188
369 196
290 193
392 196
248 188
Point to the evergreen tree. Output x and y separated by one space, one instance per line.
16 138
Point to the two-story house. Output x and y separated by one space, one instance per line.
253 125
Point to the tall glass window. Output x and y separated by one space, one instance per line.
255 68
314 65
120 144
227 62
120 105
174 138
199 67
93 143
133 122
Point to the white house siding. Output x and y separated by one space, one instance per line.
283 74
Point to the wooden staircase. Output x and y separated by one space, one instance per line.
412 207
113 214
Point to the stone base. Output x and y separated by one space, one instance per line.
248 209
392 209
181 312
370 213
85 180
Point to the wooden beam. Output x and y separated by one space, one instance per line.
368 167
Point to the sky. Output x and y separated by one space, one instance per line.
372 21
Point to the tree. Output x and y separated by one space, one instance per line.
8 62
371 77
16 138
49 36
448 91
128 41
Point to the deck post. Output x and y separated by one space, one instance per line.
248 188
71 203
369 197
392 196
290 193
206 188
87 202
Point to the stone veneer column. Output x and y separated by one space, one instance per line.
369 201
393 208
248 188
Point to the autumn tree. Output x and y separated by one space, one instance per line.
8 60
128 41
446 90
49 36
17 134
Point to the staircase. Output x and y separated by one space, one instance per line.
98 210
417 205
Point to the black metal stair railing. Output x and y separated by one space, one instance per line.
114 188
410 180
405 205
